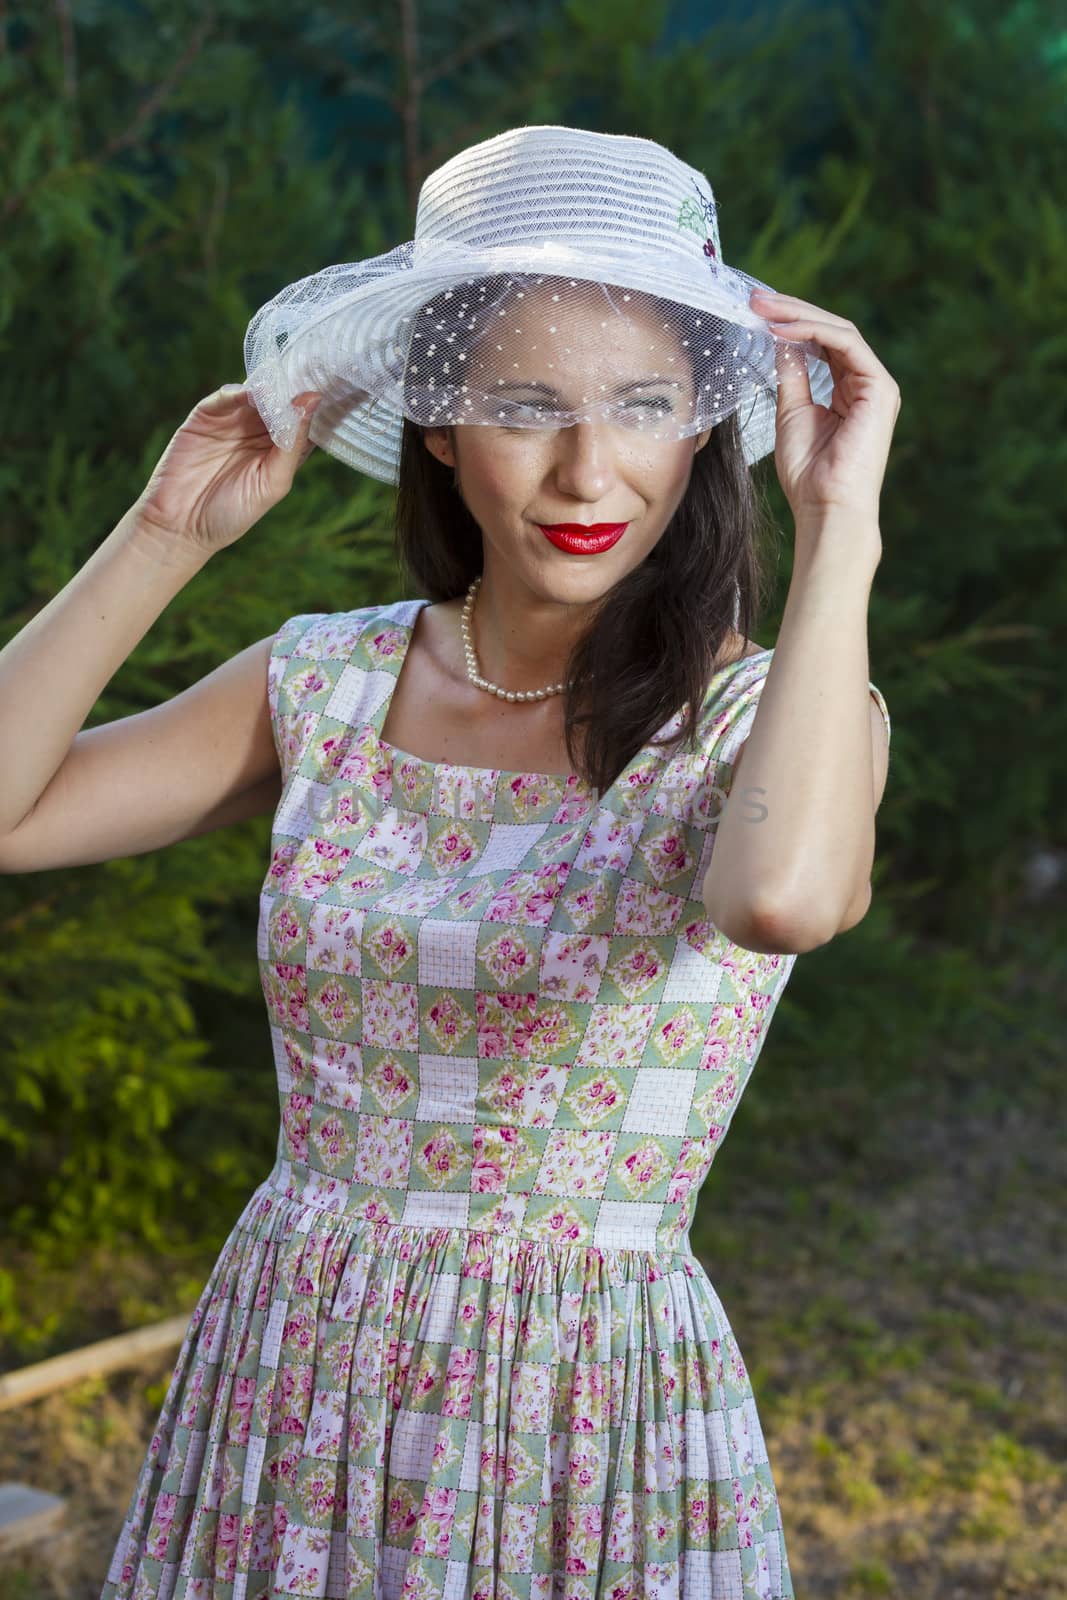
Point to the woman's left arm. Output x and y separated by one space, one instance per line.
794 843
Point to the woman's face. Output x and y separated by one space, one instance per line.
514 479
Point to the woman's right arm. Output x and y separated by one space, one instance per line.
69 795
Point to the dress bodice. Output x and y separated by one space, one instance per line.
496 999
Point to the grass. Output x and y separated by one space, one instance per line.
886 1238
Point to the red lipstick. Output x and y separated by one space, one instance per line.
583 538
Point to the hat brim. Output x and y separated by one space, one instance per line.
353 351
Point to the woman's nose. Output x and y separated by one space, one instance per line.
585 460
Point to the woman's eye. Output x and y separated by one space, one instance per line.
658 403
518 410
521 414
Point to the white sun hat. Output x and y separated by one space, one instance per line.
556 275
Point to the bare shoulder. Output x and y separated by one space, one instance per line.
736 648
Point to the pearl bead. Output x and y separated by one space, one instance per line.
515 696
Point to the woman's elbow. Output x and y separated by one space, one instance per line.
775 928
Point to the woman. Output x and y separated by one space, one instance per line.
458 1342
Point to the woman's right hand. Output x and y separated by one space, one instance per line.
221 472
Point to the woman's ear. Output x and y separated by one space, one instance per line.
702 440
438 442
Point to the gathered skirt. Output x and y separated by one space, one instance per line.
390 1412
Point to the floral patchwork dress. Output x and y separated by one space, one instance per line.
457 1343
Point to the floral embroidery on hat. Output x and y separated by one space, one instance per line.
700 216
690 216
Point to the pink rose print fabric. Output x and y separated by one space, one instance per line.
458 1344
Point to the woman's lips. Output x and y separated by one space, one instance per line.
581 538
583 527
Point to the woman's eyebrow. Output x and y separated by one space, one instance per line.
535 386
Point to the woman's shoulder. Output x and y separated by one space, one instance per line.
322 635
737 648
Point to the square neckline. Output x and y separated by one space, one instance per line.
504 774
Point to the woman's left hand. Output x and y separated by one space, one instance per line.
829 459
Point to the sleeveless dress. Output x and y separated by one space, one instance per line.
457 1343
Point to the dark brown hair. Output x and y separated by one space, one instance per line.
657 636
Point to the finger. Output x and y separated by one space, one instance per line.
789 305
306 409
225 395
303 444
839 338
794 383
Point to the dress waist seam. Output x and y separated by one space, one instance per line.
384 1228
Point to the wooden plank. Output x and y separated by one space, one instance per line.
124 1350
27 1514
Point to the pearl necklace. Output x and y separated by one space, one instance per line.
472 660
